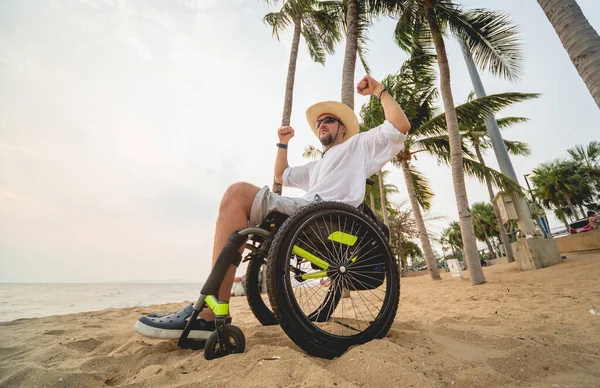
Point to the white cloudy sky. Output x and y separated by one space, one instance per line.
122 123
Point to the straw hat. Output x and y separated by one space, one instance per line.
341 111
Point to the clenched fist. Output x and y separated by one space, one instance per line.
285 134
368 86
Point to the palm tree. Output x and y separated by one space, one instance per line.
492 41
411 251
476 133
485 224
320 30
560 184
402 229
579 39
358 15
451 237
588 159
413 88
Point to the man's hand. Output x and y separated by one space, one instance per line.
285 134
368 86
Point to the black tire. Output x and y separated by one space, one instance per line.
236 343
253 287
368 269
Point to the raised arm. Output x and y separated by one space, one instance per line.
281 162
368 86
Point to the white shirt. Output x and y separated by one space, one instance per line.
341 174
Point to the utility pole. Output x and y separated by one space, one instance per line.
531 253
525 221
541 217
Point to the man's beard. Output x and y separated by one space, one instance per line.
326 140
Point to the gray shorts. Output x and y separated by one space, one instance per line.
266 202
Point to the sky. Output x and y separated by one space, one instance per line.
122 123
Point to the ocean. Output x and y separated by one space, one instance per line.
44 299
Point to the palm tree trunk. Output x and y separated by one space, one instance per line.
458 177
382 198
350 54
490 247
423 235
503 235
289 87
579 38
402 253
566 225
573 210
581 210
372 200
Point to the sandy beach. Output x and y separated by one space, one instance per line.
525 329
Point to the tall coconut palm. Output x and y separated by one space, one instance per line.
451 237
358 15
579 38
493 42
559 184
402 229
318 26
588 158
413 88
475 132
484 222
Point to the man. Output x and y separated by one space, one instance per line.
348 160
593 219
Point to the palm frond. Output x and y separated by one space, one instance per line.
411 29
490 37
470 113
313 42
482 173
422 187
517 148
326 22
278 21
507 122
365 19
438 147
312 153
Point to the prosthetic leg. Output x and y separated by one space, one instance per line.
227 338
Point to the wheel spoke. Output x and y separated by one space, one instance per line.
361 265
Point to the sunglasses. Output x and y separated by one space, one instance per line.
328 120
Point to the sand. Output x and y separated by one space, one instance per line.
525 329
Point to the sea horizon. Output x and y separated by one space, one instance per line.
35 300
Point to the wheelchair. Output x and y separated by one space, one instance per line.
330 276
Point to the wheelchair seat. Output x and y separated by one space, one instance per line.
274 220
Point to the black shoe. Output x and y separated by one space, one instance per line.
171 325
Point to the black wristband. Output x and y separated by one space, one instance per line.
380 94
284 146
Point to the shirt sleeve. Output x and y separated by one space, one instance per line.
380 145
297 177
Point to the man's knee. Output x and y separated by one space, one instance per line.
239 194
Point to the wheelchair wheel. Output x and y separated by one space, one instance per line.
236 343
323 251
253 292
